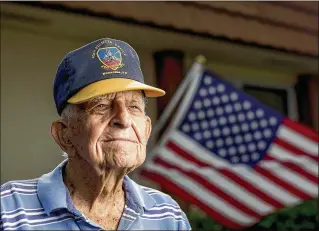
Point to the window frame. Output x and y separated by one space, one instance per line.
291 94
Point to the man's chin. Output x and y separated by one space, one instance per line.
124 160
119 146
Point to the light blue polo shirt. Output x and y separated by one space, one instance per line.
45 204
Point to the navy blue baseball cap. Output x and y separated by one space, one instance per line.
98 68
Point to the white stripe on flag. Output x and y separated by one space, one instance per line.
293 178
217 179
207 197
265 185
268 187
198 151
298 140
283 154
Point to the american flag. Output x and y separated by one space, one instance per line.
235 158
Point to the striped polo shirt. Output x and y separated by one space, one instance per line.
45 204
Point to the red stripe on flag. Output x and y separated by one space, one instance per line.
240 181
225 172
294 150
301 171
185 154
295 168
211 187
307 132
185 196
288 187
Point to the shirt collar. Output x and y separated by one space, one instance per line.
54 195
52 191
136 197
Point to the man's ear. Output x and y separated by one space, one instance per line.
59 133
148 127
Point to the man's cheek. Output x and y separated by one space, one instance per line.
141 152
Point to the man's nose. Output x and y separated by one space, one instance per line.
121 117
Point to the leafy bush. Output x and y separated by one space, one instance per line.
298 218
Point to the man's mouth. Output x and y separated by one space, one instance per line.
121 139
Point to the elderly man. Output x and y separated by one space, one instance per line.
100 94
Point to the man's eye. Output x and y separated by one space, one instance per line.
135 107
102 106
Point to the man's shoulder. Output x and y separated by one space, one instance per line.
162 200
165 207
153 197
159 197
17 192
16 185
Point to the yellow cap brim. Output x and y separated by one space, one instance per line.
107 86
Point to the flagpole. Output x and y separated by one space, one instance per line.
197 67
194 72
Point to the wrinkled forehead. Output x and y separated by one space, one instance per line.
125 95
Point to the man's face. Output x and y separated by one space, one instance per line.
111 131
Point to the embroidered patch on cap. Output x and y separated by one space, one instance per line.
110 57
